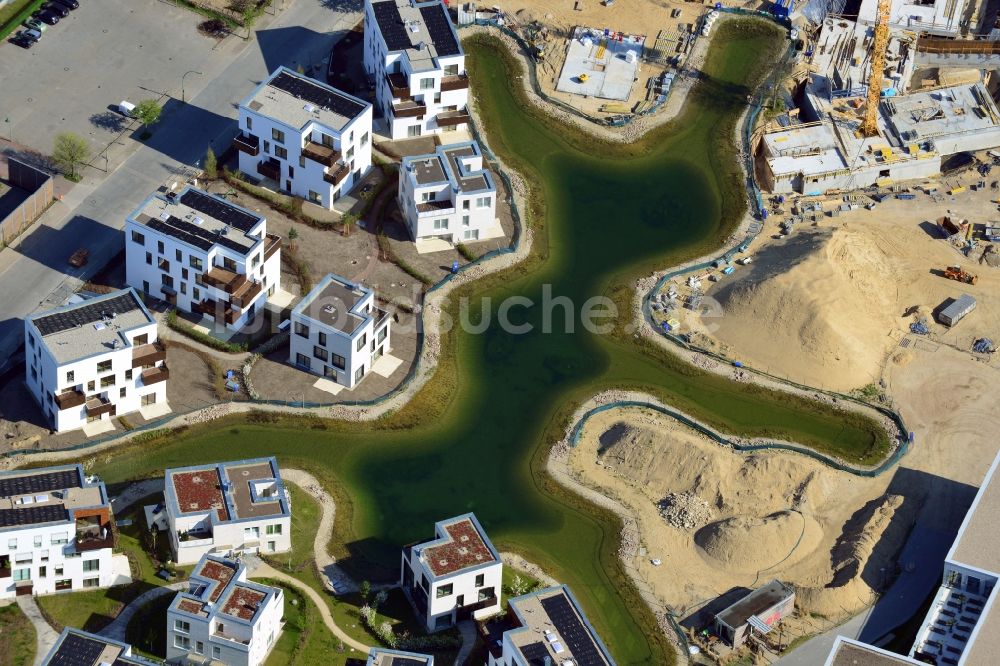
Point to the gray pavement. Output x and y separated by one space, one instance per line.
93 213
45 635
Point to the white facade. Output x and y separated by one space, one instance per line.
338 332
202 254
312 140
223 618
57 536
448 194
454 576
227 508
94 360
415 60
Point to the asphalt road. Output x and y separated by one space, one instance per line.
93 213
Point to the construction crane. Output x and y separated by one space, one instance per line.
869 127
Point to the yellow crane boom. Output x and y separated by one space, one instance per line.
869 127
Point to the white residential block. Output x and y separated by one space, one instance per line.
55 532
93 360
310 139
448 194
227 508
82 648
202 254
455 576
415 59
223 618
338 332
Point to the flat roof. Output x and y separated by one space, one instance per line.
96 325
978 541
597 65
218 586
461 544
200 219
943 112
984 644
421 30
243 602
381 657
219 570
296 100
46 495
847 652
337 303
940 14
75 647
237 490
452 164
553 626
755 603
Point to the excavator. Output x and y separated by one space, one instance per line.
958 275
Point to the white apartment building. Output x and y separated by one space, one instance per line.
454 576
55 533
312 140
338 332
202 254
76 647
93 360
381 657
448 195
547 627
223 618
227 508
415 60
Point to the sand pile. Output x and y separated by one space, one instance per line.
824 295
685 511
750 544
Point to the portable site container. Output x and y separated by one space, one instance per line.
955 312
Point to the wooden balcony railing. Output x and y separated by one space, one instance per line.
457 82
223 279
148 354
99 405
70 398
155 375
337 175
270 170
451 118
399 85
246 294
272 247
317 152
409 109
217 310
249 144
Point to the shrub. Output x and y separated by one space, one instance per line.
211 164
174 324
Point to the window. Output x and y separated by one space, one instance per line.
104 366
58 570
444 591
465 220
229 264
364 139
91 582
315 197
178 255
329 372
59 538
43 572
182 626
128 374
196 293
384 331
301 329
426 196
91 565
320 353
249 123
437 98
441 224
338 361
70 377
362 341
149 258
274 529
184 274
182 642
22 574
480 580
138 238
427 83
486 593
44 555
281 153
64 584
326 140
303 360
255 262
451 70
107 381
220 627
195 263
184 287
38 541
483 202
199 647
277 135
322 338
302 161
359 374
12 544
267 146
159 246
91 386
350 153
465 205
216 652
121 392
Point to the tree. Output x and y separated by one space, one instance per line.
211 164
348 221
70 150
148 113
366 587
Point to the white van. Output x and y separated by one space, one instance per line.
126 108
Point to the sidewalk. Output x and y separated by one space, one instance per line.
45 635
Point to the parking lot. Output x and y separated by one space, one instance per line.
102 53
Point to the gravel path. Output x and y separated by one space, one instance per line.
45 635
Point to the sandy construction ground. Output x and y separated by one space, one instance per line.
831 304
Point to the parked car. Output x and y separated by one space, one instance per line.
62 11
71 4
32 34
46 17
22 40
126 108
79 258
35 24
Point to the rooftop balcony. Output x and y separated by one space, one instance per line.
337 175
94 537
70 398
155 375
270 169
457 82
409 109
399 85
99 405
247 143
451 118
435 207
272 246
317 152
149 354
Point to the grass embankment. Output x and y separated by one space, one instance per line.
17 637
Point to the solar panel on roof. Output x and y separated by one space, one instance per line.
574 634
193 234
390 24
536 654
220 210
85 313
76 650
39 483
439 28
33 515
407 661
305 89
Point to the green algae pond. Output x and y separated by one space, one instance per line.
475 438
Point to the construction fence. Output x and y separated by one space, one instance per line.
41 191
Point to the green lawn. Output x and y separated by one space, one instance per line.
147 630
17 638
